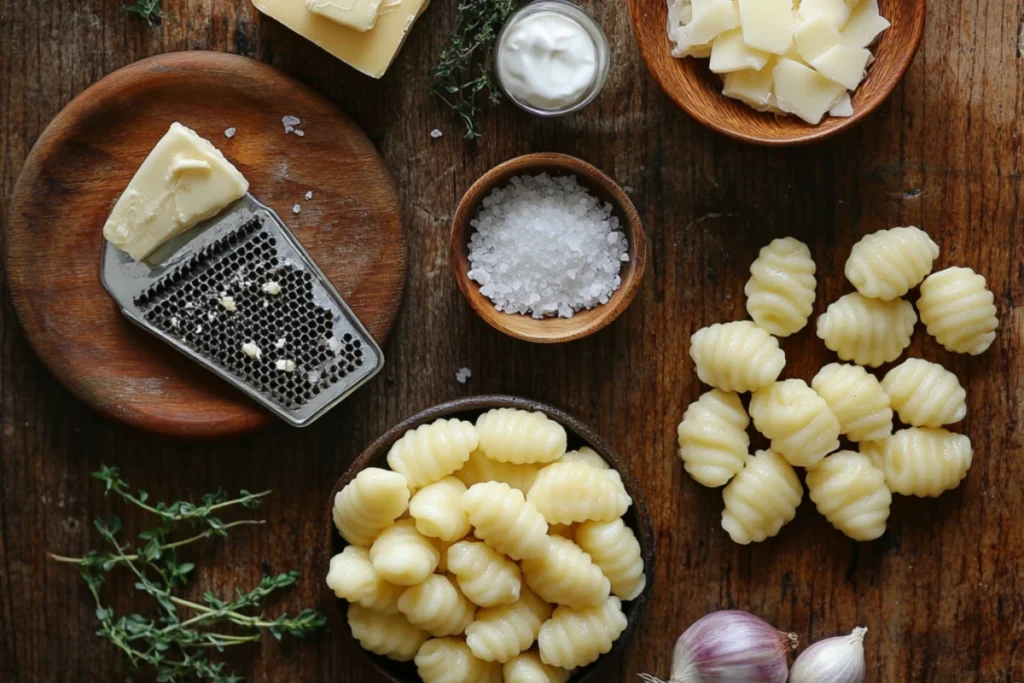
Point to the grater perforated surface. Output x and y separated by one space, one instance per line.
241 259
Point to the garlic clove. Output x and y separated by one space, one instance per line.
832 660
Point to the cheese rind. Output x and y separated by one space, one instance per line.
767 24
183 181
370 52
729 53
358 15
804 92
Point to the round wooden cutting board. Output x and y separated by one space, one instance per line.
79 166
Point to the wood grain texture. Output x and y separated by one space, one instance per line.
637 518
941 591
83 161
691 84
550 330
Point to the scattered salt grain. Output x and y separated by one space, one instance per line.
272 288
289 122
296 209
229 133
309 195
436 133
228 302
545 246
285 365
250 349
300 133
463 375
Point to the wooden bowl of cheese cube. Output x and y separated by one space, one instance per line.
421 613
830 37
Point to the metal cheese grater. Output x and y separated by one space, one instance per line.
182 293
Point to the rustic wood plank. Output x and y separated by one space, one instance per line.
941 591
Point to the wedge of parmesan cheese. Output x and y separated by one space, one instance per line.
729 53
767 24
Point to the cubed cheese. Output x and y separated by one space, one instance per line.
729 53
864 25
183 181
814 37
843 64
804 92
751 87
836 12
843 108
711 18
358 15
767 24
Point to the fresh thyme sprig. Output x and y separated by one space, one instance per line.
463 76
147 9
172 647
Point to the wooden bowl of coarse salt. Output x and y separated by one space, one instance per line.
546 248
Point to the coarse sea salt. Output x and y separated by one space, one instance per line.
544 246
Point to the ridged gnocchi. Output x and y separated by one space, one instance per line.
520 436
925 394
780 291
889 263
573 638
353 578
737 356
403 556
388 635
922 461
857 399
586 455
713 441
761 499
802 427
432 452
958 309
437 509
528 668
500 633
566 575
437 607
851 493
867 331
449 660
503 519
485 576
370 503
479 469
613 547
567 492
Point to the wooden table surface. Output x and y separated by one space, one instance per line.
942 591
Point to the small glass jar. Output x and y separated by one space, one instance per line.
579 16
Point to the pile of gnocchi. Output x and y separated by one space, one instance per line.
481 541
869 327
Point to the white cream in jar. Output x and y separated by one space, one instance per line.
548 61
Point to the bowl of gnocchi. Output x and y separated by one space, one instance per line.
489 539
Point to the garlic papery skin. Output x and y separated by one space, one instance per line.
833 660
730 647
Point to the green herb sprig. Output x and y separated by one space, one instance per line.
171 646
149 10
463 76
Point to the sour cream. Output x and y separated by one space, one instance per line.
547 60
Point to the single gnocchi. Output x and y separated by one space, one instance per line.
889 263
586 455
500 633
802 427
402 555
761 499
851 493
520 436
567 492
867 331
528 668
449 660
959 310
574 638
480 469
713 441
432 452
370 503
857 399
925 394
922 461
388 635
437 607
566 575
485 576
503 519
780 291
353 578
613 547
737 356
437 509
